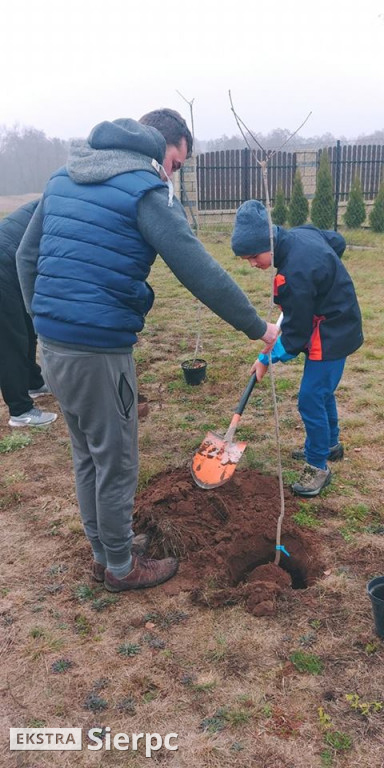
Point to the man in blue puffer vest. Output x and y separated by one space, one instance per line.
83 266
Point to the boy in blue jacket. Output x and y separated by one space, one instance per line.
321 318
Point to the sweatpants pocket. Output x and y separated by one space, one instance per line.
125 394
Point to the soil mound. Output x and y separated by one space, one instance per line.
225 538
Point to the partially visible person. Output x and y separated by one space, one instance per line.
321 318
83 265
21 380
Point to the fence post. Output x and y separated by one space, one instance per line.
188 190
337 181
245 175
306 163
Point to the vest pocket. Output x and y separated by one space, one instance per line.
125 394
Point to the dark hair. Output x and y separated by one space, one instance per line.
171 125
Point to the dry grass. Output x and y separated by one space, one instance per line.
223 679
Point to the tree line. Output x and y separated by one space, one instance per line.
27 159
279 136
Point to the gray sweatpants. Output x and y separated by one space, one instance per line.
97 394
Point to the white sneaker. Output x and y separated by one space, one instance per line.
38 392
33 418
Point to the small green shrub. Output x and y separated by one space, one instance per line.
61 665
298 207
216 723
280 210
129 649
355 212
376 217
95 703
323 206
307 662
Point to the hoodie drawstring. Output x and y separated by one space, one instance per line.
162 173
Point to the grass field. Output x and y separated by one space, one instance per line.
302 688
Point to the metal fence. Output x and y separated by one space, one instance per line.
363 160
228 178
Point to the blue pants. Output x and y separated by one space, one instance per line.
317 408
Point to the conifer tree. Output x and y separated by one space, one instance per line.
298 207
355 211
376 217
323 206
280 211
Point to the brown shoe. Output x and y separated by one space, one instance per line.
139 547
98 571
144 573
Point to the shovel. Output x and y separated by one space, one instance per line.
217 457
215 460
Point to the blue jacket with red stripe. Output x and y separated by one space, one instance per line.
316 294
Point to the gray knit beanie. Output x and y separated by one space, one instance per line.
251 231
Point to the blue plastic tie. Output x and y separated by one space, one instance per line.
282 548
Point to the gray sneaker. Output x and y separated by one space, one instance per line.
33 418
336 453
312 481
33 393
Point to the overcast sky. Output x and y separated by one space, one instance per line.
68 64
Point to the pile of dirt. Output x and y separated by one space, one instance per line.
226 538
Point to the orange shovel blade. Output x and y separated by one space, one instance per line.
215 461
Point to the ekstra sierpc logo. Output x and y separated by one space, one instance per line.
45 738
71 739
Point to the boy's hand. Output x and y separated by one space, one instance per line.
270 336
259 369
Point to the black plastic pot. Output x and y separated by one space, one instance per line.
375 589
194 371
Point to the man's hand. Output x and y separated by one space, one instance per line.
270 336
259 369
